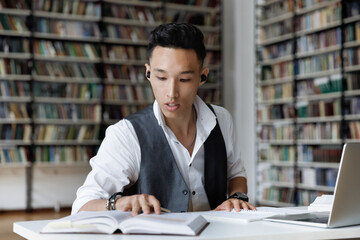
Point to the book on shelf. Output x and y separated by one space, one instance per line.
67 111
319 131
279 194
276 9
319 63
19 4
12 23
64 154
353 80
67 28
277 154
58 48
14 45
312 177
59 70
14 66
319 109
190 224
138 13
80 8
319 18
319 154
14 155
318 41
47 133
354 128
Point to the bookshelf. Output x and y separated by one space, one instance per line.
67 89
69 69
312 59
207 16
15 101
126 24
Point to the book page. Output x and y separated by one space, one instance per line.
165 223
88 221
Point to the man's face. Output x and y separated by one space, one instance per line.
175 79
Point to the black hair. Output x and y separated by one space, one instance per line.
177 35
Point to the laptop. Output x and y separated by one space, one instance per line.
346 206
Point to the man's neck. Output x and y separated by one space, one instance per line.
183 126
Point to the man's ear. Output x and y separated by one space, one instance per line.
203 77
147 71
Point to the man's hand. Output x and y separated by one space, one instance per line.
135 203
236 204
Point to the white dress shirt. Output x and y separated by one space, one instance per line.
117 162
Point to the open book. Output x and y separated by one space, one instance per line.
111 221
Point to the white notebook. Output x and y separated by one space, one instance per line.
248 216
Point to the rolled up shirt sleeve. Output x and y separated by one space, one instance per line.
115 165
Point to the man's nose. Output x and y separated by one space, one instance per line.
173 89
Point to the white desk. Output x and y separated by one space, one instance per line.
215 230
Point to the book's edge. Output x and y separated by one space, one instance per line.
202 229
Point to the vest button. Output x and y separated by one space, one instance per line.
193 193
185 192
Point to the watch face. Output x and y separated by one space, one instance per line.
241 196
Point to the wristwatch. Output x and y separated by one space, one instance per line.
240 196
112 201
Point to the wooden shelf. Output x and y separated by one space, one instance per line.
318 6
72 17
277 19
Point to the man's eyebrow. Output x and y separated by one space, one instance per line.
183 72
188 72
159 70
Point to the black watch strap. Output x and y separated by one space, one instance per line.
113 198
240 196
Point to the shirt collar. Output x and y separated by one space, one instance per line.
206 119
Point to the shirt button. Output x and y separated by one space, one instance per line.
193 192
190 165
185 192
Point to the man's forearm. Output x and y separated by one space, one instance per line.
237 184
94 205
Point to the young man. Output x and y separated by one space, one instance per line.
178 153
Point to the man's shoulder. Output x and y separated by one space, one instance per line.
219 110
145 112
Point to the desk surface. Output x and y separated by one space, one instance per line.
215 230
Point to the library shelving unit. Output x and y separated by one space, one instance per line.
67 90
126 27
317 108
67 87
69 69
15 100
275 103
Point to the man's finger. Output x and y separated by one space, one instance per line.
155 204
236 205
143 201
135 207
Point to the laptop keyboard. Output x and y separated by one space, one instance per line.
315 219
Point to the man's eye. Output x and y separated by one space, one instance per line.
185 79
161 78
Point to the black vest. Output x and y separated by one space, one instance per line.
159 174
